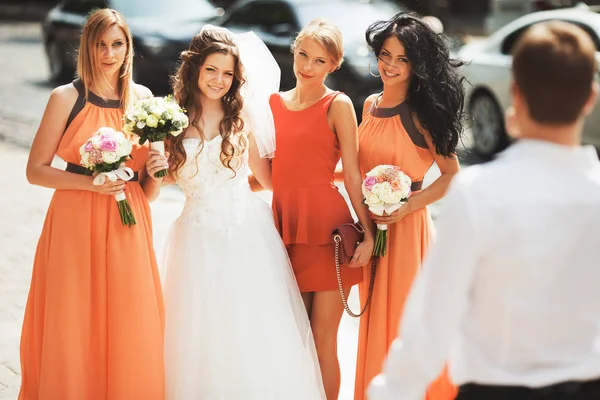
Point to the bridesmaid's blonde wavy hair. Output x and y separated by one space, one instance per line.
88 63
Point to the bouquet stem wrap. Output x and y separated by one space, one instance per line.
380 248
160 147
124 173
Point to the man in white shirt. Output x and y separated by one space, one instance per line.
510 291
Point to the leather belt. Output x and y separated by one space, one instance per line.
416 186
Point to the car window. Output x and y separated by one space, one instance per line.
510 41
82 7
261 15
352 17
181 10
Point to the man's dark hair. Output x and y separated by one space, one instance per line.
554 68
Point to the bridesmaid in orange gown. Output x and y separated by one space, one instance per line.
413 123
93 326
315 126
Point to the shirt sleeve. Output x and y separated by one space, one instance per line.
435 305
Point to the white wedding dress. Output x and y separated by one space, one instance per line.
236 327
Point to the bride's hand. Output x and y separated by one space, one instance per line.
155 162
363 253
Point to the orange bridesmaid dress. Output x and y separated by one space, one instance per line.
388 136
307 205
94 321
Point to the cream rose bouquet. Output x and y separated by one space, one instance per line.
386 188
104 155
153 119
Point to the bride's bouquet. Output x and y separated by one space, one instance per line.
104 155
386 188
153 119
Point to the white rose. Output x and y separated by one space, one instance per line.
388 198
382 188
152 121
142 115
110 157
130 117
127 128
96 141
141 124
372 199
106 130
125 147
157 110
377 189
397 197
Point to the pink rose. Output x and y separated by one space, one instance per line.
370 181
89 146
108 143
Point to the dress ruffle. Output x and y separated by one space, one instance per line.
308 215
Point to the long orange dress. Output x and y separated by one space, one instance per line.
94 319
388 136
307 205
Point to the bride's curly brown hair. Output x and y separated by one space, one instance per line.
185 89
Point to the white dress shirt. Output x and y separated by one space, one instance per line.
510 291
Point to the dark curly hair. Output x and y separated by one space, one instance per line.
185 88
436 93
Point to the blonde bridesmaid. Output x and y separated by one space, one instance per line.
315 127
93 326
413 123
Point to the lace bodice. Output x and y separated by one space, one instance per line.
215 196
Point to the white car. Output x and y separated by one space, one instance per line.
488 71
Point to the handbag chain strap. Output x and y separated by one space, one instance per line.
338 239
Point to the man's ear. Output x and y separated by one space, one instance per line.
517 96
591 101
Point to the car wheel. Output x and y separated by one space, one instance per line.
489 135
59 72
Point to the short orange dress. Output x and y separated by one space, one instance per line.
388 136
307 204
94 320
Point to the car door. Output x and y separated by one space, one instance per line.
276 24
494 68
591 130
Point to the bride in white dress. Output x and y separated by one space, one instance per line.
236 327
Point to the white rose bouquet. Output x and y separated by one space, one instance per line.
386 188
104 155
153 119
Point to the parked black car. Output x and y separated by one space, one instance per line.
161 29
277 22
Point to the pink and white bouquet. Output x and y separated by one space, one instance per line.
386 188
104 155
153 119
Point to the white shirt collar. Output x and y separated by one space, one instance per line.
583 157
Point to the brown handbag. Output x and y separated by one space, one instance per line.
346 237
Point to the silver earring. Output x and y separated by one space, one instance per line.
370 71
